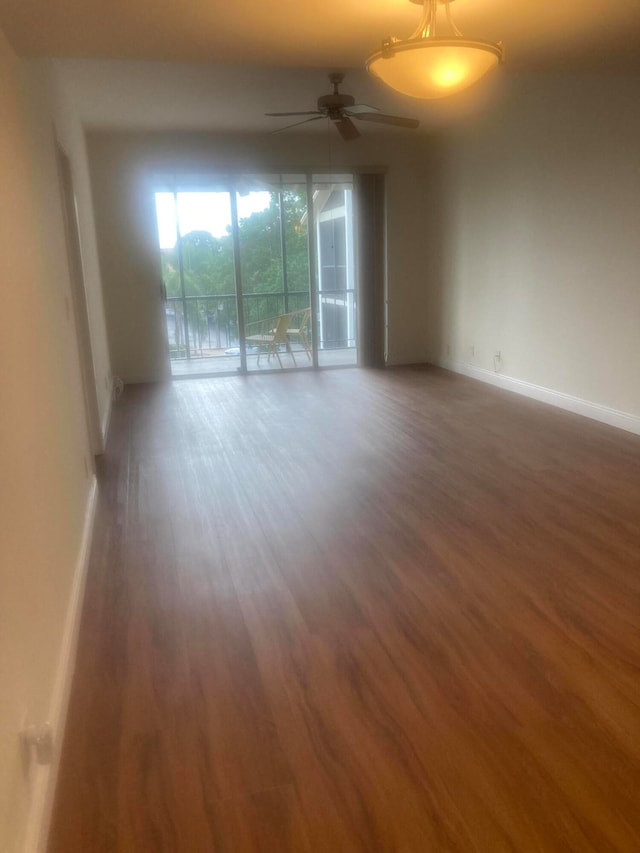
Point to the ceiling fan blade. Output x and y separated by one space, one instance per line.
360 108
347 129
306 113
381 118
297 123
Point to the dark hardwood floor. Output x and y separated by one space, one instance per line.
357 611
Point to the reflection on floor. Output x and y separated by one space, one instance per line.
231 363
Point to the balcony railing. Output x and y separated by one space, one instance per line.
212 321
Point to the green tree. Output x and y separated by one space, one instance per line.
208 266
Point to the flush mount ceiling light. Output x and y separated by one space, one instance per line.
428 65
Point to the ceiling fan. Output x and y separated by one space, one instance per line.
340 109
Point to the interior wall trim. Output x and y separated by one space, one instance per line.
106 420
595 411
45 777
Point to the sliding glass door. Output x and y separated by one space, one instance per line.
336 286
258 272
199 280
274 273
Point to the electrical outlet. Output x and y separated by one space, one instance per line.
448 349
472 351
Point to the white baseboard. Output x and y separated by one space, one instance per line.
612 417
45 778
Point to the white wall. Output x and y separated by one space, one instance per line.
71 138
512 230
121 167
538 254
46 477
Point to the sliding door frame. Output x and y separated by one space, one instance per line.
313 271
231 183
237 272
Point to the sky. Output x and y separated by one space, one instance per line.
202 211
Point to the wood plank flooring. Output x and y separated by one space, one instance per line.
357 611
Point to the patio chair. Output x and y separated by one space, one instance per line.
298 331
272 334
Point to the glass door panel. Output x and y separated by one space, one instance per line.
296 279
248 238
335 254
196 248
274 266
166 214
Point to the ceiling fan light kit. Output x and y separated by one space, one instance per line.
426 66
429 66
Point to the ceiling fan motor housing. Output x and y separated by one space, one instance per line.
334 104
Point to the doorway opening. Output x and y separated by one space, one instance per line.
258 272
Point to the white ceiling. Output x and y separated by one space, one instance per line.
232 98
223 64
306 33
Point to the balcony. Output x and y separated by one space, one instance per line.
208 342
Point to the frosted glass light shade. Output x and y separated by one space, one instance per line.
433 68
